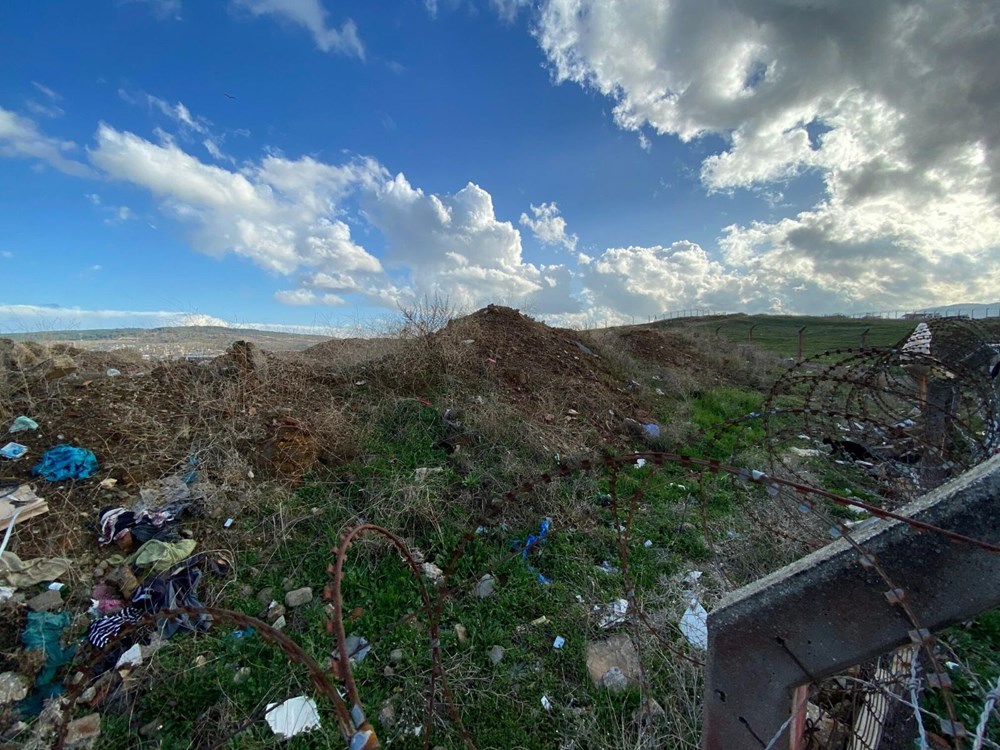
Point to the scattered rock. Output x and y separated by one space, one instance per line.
387 714
298 597
87 695
388 671
496 655
461 633
288 583
246 590
265 596
614 680
82 733
47 601
432 571
485 586
279 624
60 366
13 687
396 656
616 651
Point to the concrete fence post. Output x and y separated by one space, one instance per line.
825 613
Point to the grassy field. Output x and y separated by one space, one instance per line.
779 333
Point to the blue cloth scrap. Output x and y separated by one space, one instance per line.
65 462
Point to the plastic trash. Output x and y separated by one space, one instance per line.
648 543
652 430
113 372
546 703
23 423
228 523
640 462
293 717
131 658
65 462
614 614
13 450
694 625
559 642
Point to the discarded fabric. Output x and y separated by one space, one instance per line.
21 573
65 462
43 632
23 423
118 524
160 556
13 450
100 632
293 717
694 625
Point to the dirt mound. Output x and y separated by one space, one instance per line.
551 374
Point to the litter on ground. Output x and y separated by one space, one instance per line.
694 625
13 451
292 717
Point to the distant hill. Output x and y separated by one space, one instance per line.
174 341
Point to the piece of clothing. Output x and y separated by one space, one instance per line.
142 525
103 630
42 632
23 573
65 462
159 556
174 588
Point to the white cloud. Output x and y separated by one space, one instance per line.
908 97
6 254
44 110
312 15
548 226
49 93
456 246
281 214
508 9
21 138
645 281
96 267
307 297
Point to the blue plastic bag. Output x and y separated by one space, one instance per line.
65 462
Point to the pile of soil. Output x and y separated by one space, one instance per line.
544 372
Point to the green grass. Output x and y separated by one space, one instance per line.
779 333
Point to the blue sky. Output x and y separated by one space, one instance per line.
303 163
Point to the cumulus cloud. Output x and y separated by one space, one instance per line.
548 226
280 214
455 245
312 15
896 105
647 281
20 137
